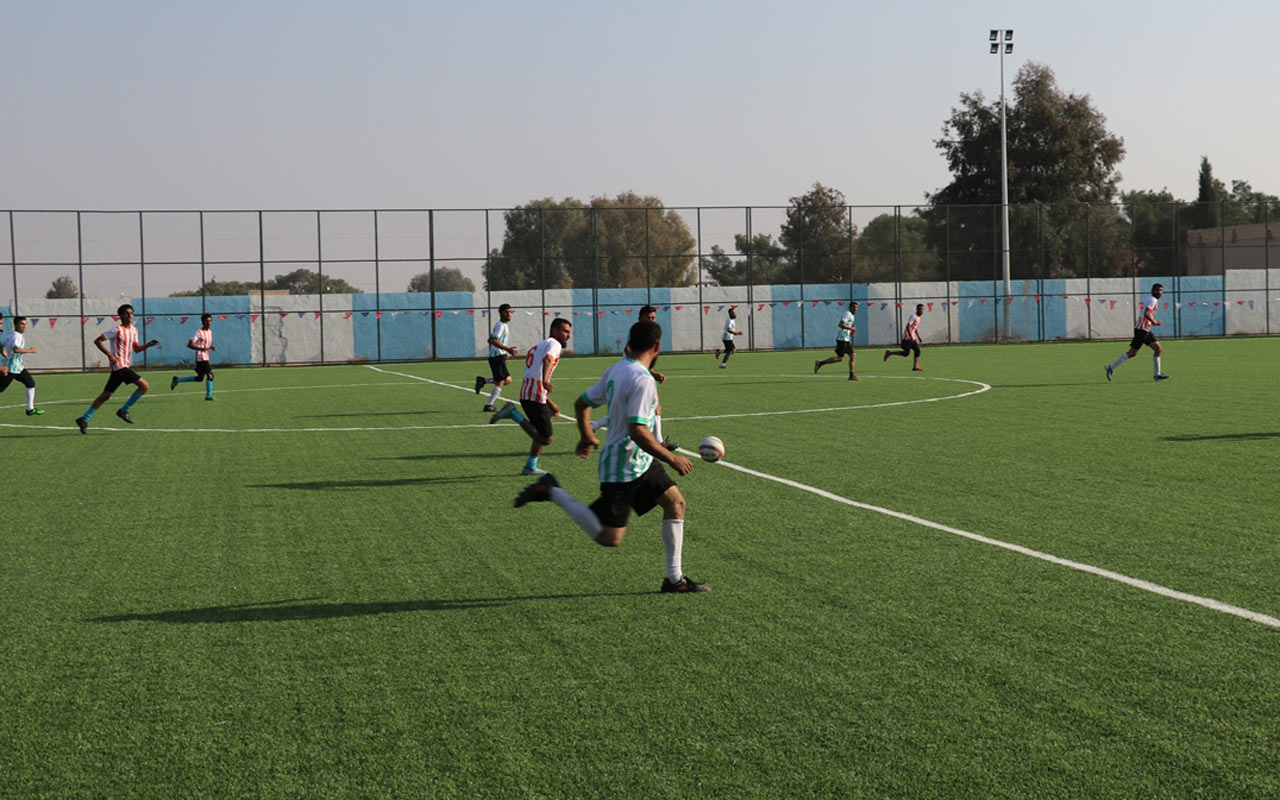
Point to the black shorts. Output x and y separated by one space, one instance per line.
618 500
728 347
23 378
204 369
498 366
1141 337
911 346
120 376
843 348
539 414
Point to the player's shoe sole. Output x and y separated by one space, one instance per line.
684 585
125 415
82 424
1110 369
479 383
537 492
34 412
1161 377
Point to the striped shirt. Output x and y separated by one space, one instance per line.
912 332
122 338
202 341
532 388
632 395
845 335
500 332
9 355
1144 324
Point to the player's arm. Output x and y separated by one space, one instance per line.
99 343
138 348
1150 313
22 350
587 439
548 367
191 343
645 440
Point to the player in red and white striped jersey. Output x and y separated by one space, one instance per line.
124 343
535 393
910 339
202 343
1142 334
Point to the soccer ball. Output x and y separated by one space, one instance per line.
711 449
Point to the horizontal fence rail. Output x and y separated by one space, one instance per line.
306 287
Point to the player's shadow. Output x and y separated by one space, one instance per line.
1223 437
436 456
380 483
373 414
311 609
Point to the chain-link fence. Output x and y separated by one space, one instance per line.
290 287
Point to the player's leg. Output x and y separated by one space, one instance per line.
142 387
208 380
673 507
1134 347
113 383
29 382
547 489
853 375
1159 351
915 362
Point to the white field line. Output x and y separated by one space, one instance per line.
1137 583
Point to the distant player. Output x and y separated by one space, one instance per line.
1142 334
202 343
730 330
535 394
124 343
844 342
631 477
3 369
500 350
910 338
647 314
13 346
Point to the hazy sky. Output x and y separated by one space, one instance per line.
170 104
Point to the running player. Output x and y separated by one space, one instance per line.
202 343
499 352
535 394
124 343
647 314
844 342
910 338
1142 334
630 476
730 330
12 348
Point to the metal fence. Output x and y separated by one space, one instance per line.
336 285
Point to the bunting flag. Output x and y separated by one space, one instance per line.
1251 305
1113 305
150 320
1037 297
184 320
471 311
602 313
114 318
52 321
348 315
100 319
1088 301
253 318
955 302
284 314
378 316
706 309
84 320
839 302
931 306
439 314
815 303
761 308
627 310
679 308
222 317
883 306
983 302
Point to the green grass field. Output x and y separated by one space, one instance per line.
317 587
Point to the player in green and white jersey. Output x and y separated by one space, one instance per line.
500 350
844 342
13 347
631 458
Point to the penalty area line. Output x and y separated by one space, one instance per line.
1137 583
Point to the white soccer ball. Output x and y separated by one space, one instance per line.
711 449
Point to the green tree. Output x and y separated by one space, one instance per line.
448 279
533 254
1060 155
720 269
300 281
893 247
63 287
818 236
1157 219
1206 211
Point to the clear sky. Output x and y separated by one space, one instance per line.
319 104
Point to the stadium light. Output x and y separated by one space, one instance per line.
995 37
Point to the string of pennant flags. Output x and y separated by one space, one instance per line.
980 302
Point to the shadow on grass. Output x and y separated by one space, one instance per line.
321 486
432 456
307 609
373 414
1227 437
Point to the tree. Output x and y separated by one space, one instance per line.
818 236
63 287
448 279
763 261
533 254
1060 154
1206 212
300 281
892 247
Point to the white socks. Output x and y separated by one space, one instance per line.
1157 360
673 543
1123 358
493 394
31 396
584 517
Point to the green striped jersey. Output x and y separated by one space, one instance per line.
632 396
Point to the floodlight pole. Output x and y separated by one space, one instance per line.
1001 40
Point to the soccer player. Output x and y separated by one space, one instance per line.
124 343
910 338
648 314
12 348
730 331
499 352
844 342
3 369
1142 334
535 394
202 343
631 477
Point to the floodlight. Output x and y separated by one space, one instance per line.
1008 35
1008 48
995 48
995 34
